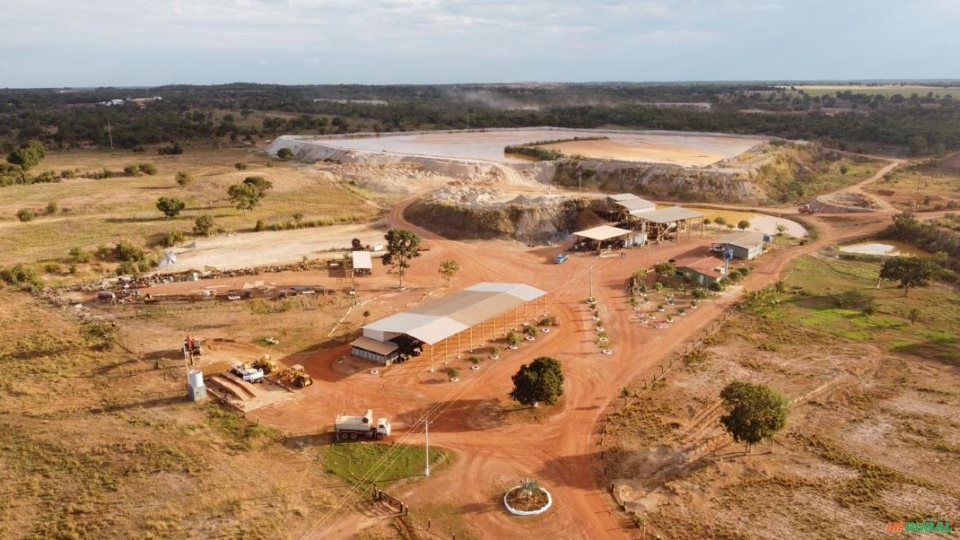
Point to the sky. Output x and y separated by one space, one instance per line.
82 43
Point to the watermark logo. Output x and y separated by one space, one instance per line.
927 526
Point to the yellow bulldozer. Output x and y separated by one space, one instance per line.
267 364
295 375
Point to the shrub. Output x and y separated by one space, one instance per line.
453 372
147 168
699 294
260 226
174 150
77 255
21 276
51 208
184 179
132 170
716 286
203 225
285 153
127 252
25 215
240 166
172 238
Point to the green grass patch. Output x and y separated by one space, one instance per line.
241 434
379 462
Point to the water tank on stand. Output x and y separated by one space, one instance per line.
196 390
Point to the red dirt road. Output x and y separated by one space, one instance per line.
496 449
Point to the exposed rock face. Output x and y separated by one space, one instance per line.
657 181
529 220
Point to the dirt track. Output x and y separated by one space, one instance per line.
497 449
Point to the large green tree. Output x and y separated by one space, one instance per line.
754 412
542 380
171 207
402 245
29 154
909 271
244 196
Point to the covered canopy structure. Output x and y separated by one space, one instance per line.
624 205
362 264
659 222
607 233
434 323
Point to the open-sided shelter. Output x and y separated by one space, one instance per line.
658 223
470 316
362 264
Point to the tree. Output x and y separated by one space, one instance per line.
541 380
203 225
743 225
244 196
402 245
448 269
284 153
28 155
356 244
754 412
259 182
720 220
909 271
170 206
665 268
514 339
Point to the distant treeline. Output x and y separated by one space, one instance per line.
927 124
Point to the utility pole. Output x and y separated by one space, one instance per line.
591 282
426 430
110 134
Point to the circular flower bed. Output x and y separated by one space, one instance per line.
525 502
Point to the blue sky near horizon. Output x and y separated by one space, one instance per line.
55 43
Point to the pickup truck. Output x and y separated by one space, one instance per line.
247 373
561 258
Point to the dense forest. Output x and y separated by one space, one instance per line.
62 118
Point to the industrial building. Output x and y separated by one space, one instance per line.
742 245
461 321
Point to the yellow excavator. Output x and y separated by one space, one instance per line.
267 364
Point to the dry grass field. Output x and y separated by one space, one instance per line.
872 435
101 444
883 90
102 212
920 188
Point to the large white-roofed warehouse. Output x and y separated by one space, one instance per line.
464 320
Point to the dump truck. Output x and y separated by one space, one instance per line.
247 372
295 375
354 427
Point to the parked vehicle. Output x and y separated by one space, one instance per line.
247 372
354 427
